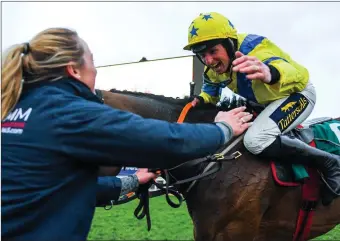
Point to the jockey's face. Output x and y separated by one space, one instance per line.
216 58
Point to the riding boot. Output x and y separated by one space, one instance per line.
291 149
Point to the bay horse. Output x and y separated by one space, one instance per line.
241 201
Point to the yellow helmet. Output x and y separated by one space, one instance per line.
209 26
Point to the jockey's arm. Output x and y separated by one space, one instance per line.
290 76
208 98
210 91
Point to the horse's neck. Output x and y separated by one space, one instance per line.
157 107
143 106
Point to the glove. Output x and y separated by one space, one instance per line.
231 102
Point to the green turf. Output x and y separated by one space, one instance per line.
119 223
332 235
167 223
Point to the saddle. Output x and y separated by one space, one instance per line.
295 175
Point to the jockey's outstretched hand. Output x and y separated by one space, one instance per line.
144 176
236 118
252 67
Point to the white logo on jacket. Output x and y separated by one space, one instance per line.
15 122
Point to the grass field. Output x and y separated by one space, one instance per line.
168 223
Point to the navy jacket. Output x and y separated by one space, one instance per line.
108 188
55 139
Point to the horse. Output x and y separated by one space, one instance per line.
241 201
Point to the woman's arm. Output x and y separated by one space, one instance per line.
111 188
95 133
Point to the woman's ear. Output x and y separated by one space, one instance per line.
73 71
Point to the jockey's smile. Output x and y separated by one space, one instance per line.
216 58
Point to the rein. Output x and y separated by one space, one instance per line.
184 112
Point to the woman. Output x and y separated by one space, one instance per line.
56 134
258 70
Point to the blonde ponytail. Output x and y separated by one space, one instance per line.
12 78
44 58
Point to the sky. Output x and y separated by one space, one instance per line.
120 32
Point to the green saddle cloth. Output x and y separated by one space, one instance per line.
327 138
300 172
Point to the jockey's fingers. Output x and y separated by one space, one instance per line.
252 69
256 75
248 70
238 54
253 58
247 58
240 60
257 62
242 65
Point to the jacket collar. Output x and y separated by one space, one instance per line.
69 85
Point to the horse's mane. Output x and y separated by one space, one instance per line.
170 100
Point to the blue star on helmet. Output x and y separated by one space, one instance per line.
207 16
193 31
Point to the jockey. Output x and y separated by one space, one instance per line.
258 70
